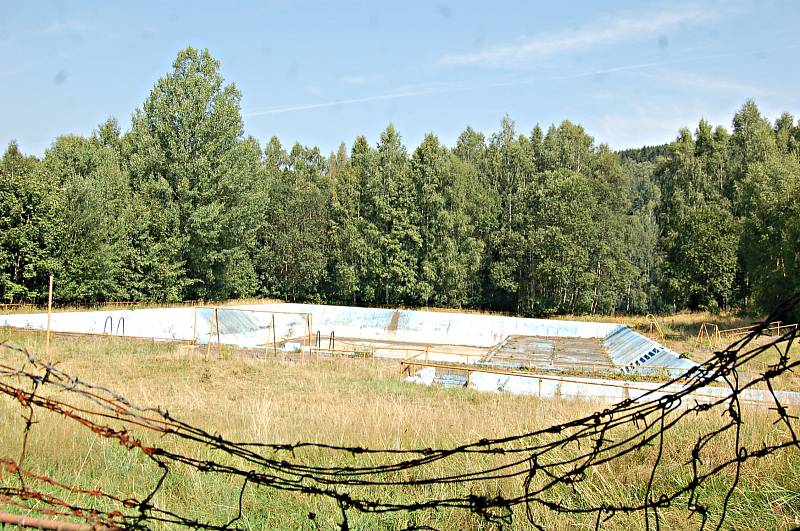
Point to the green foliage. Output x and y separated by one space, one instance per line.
391 194
188 157
699 233
29 227
290 253
700 247
184 206
354 256
767 173
93 250
451 248
644 153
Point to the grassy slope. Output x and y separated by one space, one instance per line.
350 402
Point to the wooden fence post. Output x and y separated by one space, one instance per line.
49 316
194 326
219 340
210 335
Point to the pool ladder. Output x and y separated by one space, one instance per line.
108 325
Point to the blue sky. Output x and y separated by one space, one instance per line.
322 73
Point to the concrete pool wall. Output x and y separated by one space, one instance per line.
251 326
585 388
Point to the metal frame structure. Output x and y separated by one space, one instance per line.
270 341
714 334
583 369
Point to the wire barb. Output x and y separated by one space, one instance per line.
549 466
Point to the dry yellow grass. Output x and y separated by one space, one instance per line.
361 403
31 308
680 329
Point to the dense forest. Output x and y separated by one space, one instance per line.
184 206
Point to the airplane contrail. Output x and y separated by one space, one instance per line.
452 88
389 96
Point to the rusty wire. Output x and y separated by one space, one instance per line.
536 461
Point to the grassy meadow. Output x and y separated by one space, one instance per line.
363 403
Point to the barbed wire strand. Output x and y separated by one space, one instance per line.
542 462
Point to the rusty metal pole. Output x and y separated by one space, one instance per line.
310 339
52 525
311 331
49 315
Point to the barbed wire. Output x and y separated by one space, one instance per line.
541 465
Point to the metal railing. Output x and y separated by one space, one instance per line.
714 335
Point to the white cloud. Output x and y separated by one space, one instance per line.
603 31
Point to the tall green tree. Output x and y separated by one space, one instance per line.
643 293
189 160
575 223
699 232
767 173
354 240
94 249
389 197
292 245
29 228
508 166
451 251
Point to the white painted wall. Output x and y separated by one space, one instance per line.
252 327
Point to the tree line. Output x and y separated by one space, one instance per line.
184 206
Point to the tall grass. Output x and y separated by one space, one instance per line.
360 403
